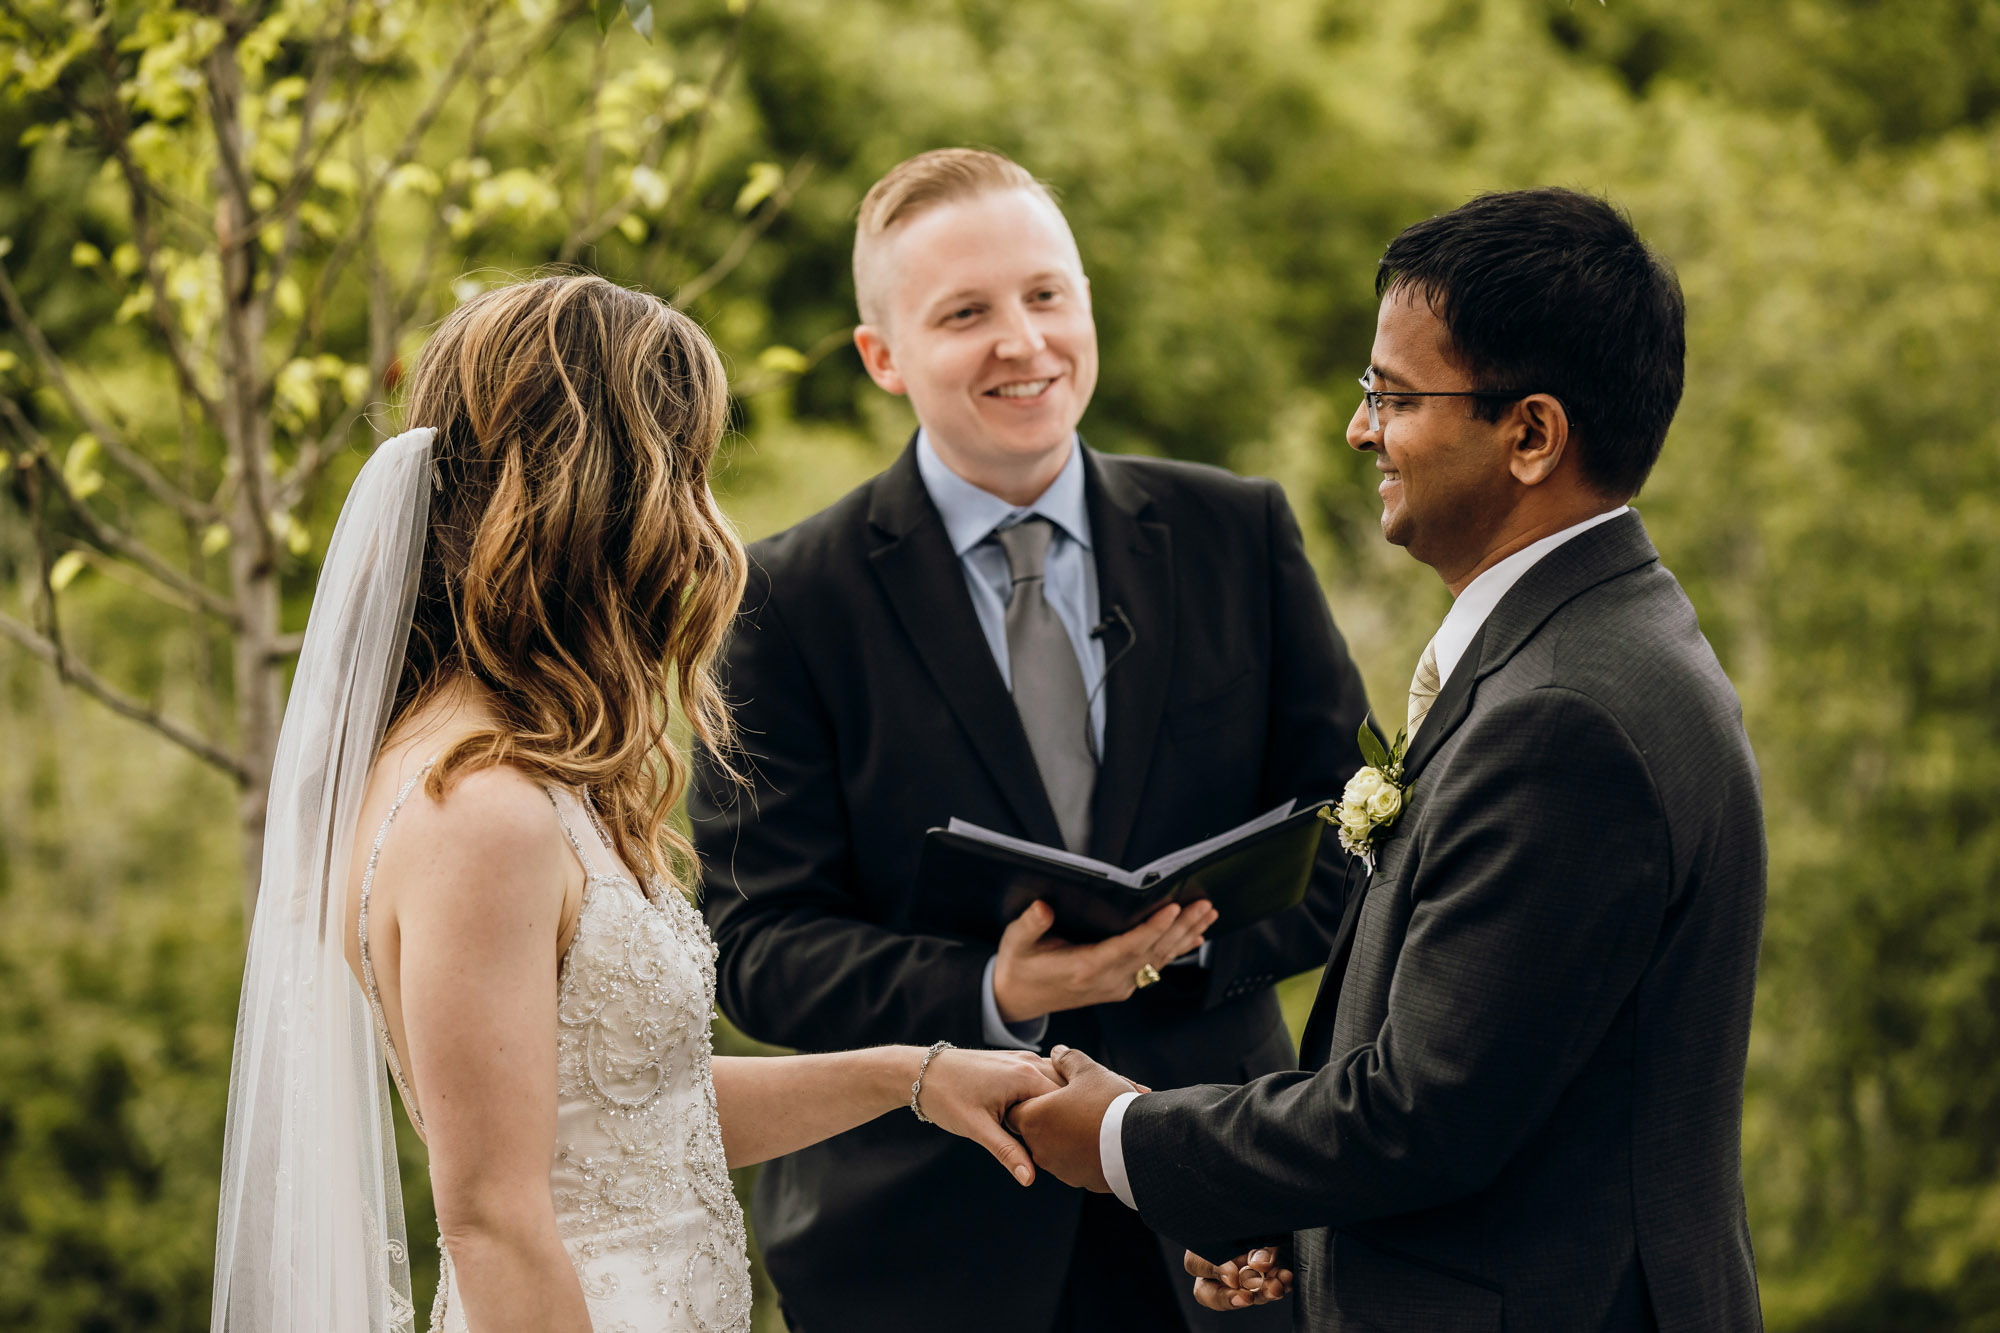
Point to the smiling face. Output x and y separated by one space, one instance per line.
982 316
1448 483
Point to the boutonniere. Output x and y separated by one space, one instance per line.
1373 799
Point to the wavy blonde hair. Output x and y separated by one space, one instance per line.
576 564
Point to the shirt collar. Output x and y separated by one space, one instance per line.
971 514
1472 606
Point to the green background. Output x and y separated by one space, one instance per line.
1825 176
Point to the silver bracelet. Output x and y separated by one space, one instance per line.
917 1088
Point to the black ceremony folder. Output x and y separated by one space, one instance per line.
982 880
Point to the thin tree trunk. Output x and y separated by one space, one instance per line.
253 556
258 706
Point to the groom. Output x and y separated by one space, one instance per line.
1522 1098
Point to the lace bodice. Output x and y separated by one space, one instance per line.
640 1183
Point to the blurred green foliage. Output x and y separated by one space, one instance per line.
1824 173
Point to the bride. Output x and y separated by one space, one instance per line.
469 874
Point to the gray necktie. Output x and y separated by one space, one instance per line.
1048 683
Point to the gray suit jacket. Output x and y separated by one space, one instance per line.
1521 1105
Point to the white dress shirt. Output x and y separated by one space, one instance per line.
1469 611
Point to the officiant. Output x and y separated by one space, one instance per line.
1114 655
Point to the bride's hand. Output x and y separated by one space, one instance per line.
970 1093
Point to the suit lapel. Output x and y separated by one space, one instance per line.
913 559
1573 568
1594 557
1454 701
1135 575
1318 1034
1604 553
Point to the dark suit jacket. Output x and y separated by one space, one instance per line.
871 710
1525 1108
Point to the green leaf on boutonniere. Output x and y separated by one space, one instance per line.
1371 748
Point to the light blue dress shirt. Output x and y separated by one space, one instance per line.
1069 577
1069 581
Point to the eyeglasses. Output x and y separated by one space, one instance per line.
1374 396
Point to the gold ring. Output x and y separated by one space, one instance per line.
1147 975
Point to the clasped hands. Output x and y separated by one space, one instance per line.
1057 1106
1061 1129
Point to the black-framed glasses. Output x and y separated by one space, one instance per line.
1374 396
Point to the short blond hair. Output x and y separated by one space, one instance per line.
919 184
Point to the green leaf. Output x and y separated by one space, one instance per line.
607 14
642 17
138 303
782 360
64 571
1371 747
79 467
765 177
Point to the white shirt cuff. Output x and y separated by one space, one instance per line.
1111 1147
997 1030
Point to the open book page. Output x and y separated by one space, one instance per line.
1172 861
1131 879
1057 855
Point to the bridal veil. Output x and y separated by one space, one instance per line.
310 1235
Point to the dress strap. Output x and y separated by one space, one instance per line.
368 962
597 858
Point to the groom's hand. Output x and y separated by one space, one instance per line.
1060 1128
1039 974
1251 1279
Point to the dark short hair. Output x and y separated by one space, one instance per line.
1552 291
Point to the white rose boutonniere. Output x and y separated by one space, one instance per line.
1373 799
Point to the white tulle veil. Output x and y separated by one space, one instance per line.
310 1236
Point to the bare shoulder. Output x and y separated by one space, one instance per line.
493 842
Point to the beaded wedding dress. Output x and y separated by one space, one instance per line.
641 1186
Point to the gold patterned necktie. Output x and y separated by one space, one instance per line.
1424 688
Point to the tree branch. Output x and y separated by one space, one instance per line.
302 170
364 219
382 326
746 236
222 86
149 476
593 146
108 536
113 125
815 354
690 164
136 579
93 685
717 81
306 158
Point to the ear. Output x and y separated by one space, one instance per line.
878 358
1540 428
